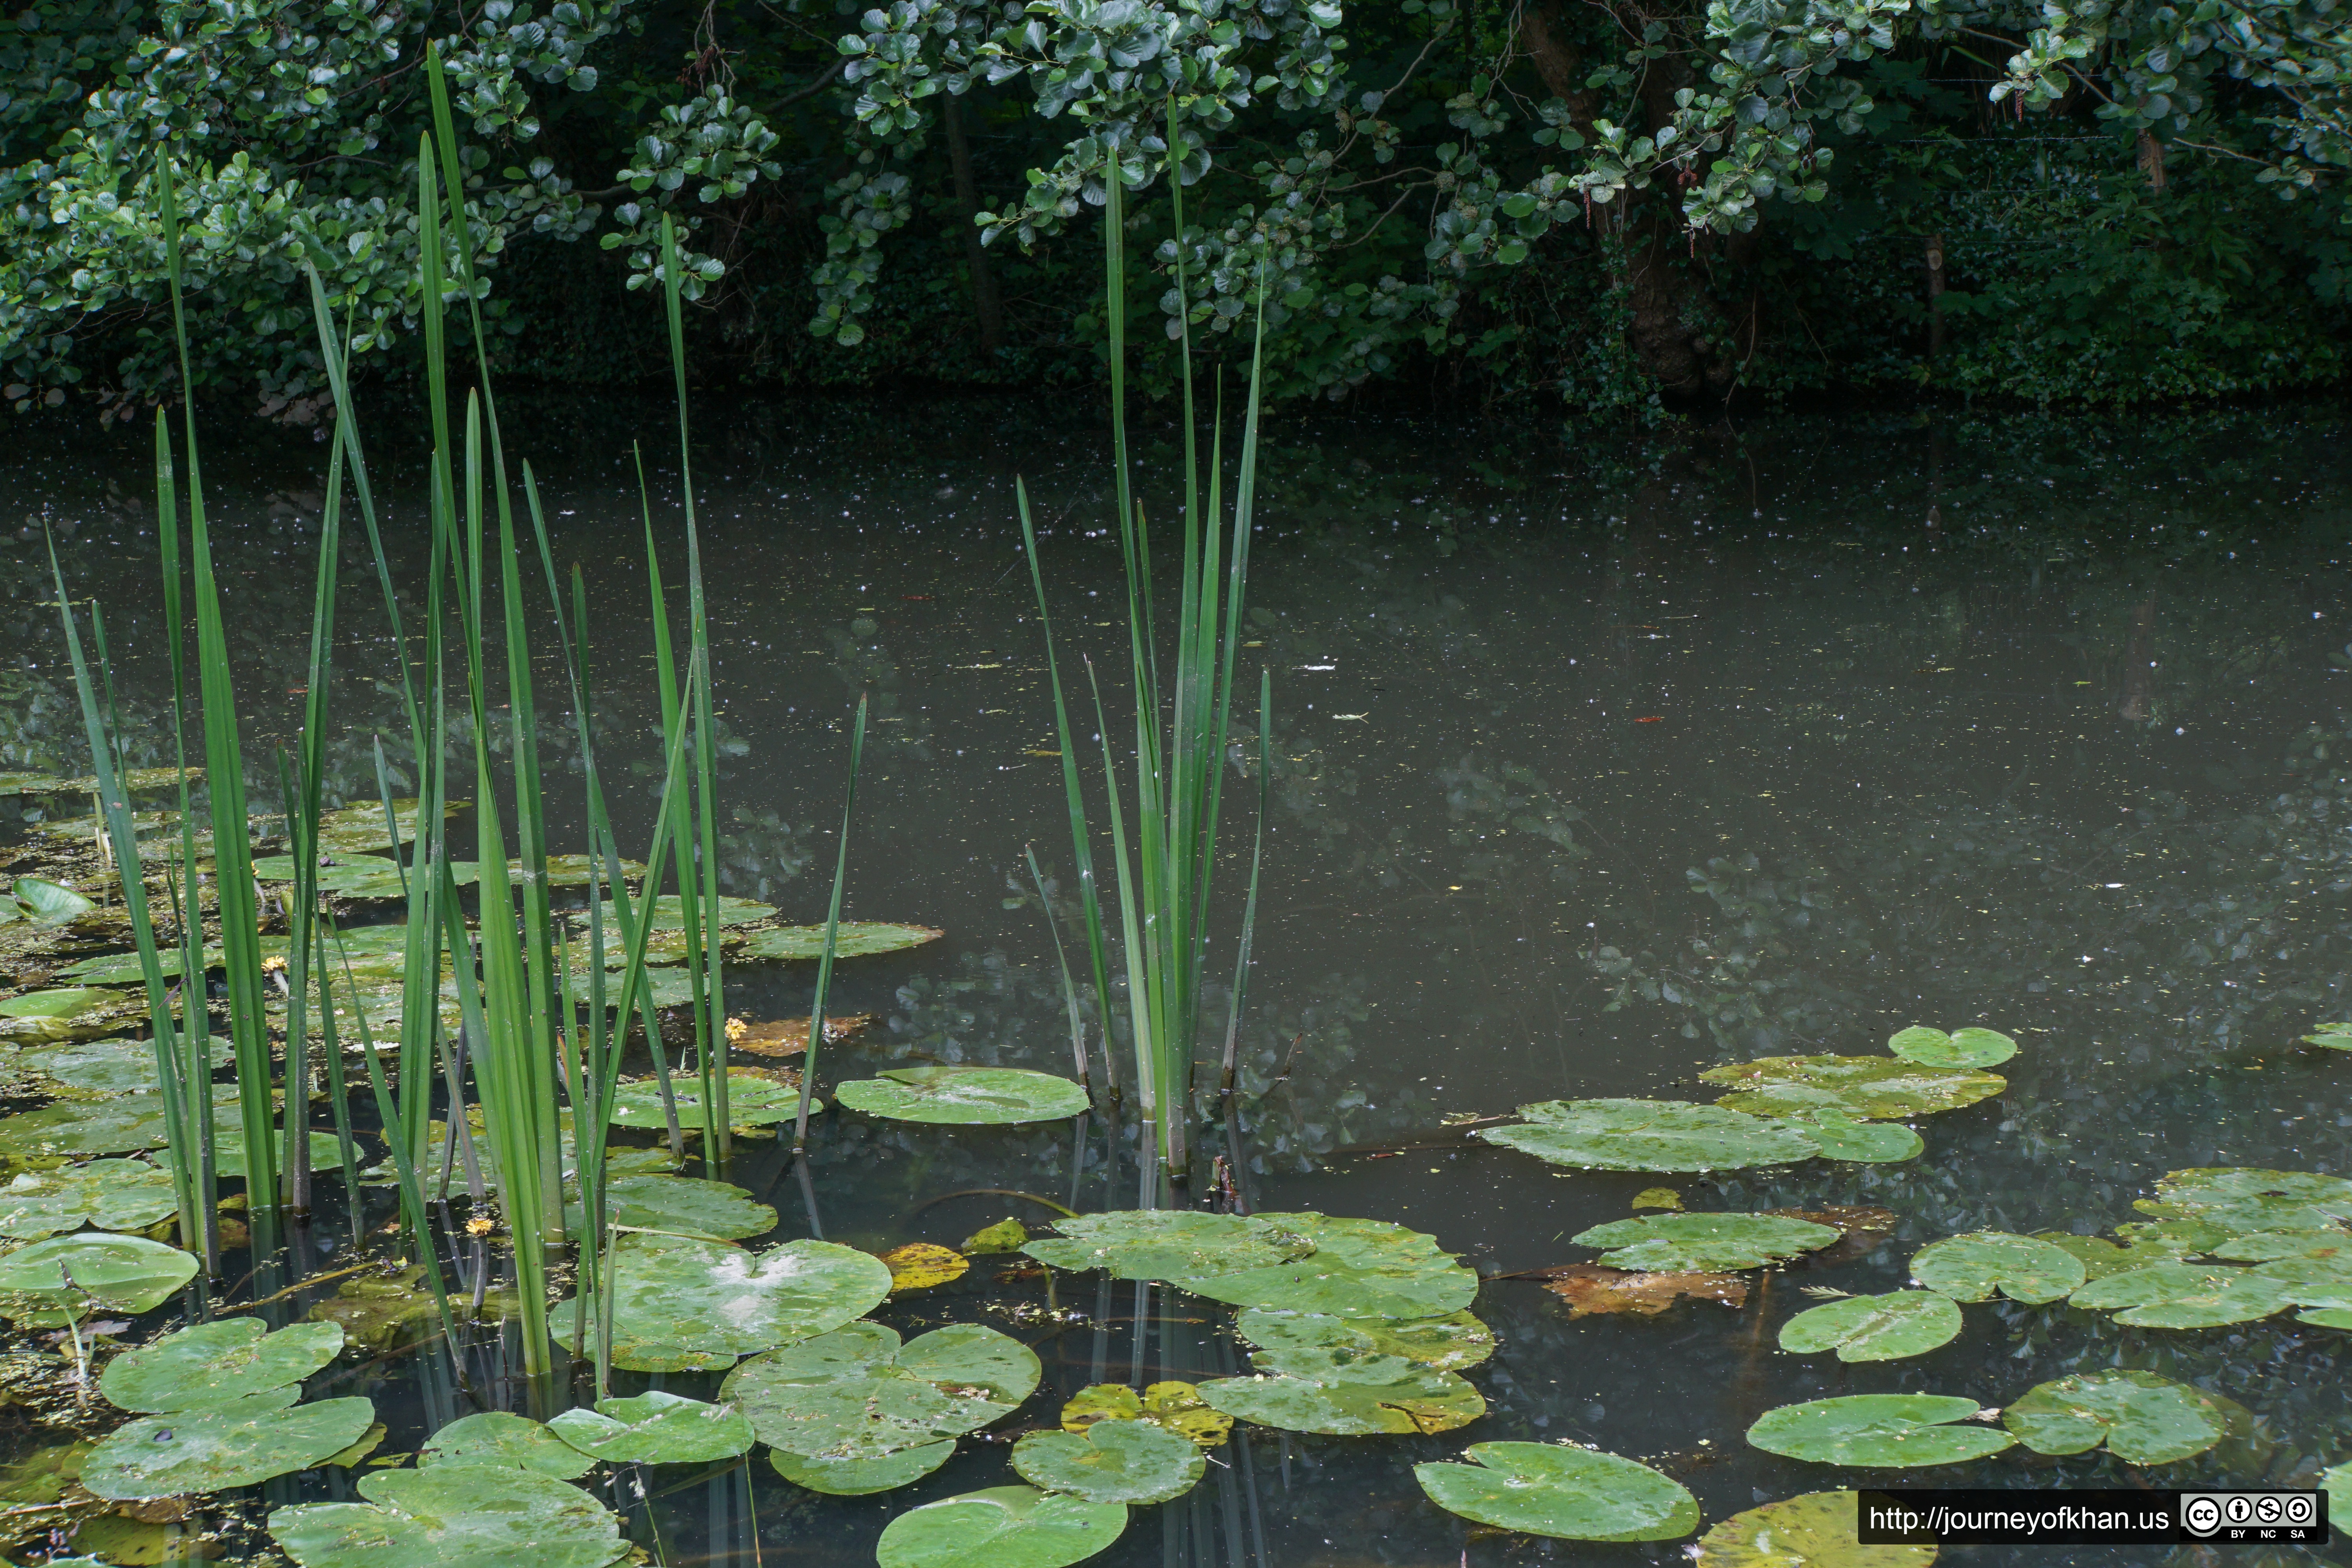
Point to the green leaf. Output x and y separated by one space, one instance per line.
862 1478
109 1127
668 913
241 1444
1448 1343
2142 1418
1163 1244
496 1439
451 1514
751 1101
1003 1527
856 938
2270 1246
1576 1494
1359 1268
2242 1199
2334 1036
1885 1430
1875 1328
107 1066
1676 1243
1966 1048
2336 1481
860 1394
2185 1296
1972 1267
2100 1257
1815 1531
1873 1088
112 1194
682 1305
207 1366
1005 1236
1348 1396
2325 1282
656 1428
963 1096
125 1274
1133 1462
682 1204
64 1002
1650 1135
1841 1136
360 829
1178 1406
50 903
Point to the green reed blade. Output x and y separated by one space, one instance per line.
1141 1017
1062 962
831 935
1249 904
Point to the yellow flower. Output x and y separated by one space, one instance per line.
480 1225
275 963
736 1030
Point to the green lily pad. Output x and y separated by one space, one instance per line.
1448 1343
2242 1199
1003 1527
1359 1268
1178 1406
1840 1136
107 1066
1875 1328
2186 1296
70 1013
477 1515
2272 1246
63 1002
750 1102
960 1096
495 1439
2101 1258
855 938
228 1148
112 1194
656 1428
682 1305
682 1204
1164 1244
359 828
207 1365
1681 1243
2176 1240
1650 1135
1575 1494
126 1274
1005 1236
49 903
1972 1267
2336 1481
2334 1036
379 1311
668 913
1348 1395
862 1478
2323 1282
1815 1531
355 876
2144 1419
1873 1089
859 1393
1962 1049
1889 1430
240 1444
1133 1462
43 1475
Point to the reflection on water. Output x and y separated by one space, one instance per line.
1584 781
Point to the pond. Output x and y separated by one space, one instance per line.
1593 766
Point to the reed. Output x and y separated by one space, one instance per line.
1166 867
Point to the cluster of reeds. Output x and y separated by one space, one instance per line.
541 1043
1164 850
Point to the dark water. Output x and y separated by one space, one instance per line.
1597 763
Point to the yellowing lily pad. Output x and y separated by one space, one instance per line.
1815 1531
1005 1236
1178 1406
920 1265
1873 1088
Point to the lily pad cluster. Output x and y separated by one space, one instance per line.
682 1304
2228 1245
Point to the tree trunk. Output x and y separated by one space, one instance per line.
983 286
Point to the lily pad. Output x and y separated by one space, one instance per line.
2323 1282
1691 1242
2336 1481
1131 1462
1005 1236
1961 1048
1163 1244
1003 1527
862 1478
1815 1531
62 1002
1348 1396
70 1013
1358 1269
652 1202
112 1194
240 1444
126 1274
1575 1494
1650 1135
2334 1036
920 1265
859 1393
1841 1136
2186 1296
107 1066
1448 1343
1178 1406
751 1101
2242 1199
1875 1328
1972 1267
656 1428
1886 1430
2142 1418
959 1096
379 1311
355 876
495 1439
855 938
49 903
683 1305
2101 1258
476 1515
2272 1246
207 1365
669 914
1873 1089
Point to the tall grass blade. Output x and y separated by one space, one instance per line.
831 935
